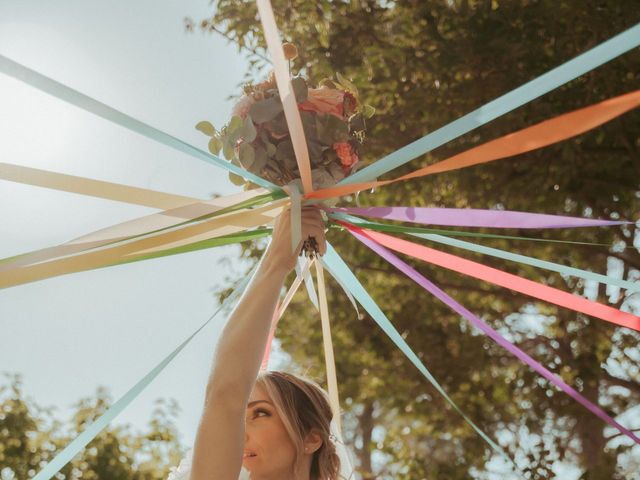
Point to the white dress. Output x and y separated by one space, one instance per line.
182 471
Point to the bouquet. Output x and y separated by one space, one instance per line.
257 137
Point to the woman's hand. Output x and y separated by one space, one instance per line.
280 256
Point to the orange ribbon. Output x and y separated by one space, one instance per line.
531 138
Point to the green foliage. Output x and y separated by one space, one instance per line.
422 64
30 438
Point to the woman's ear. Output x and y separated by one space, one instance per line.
312 442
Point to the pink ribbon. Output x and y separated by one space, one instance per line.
363 236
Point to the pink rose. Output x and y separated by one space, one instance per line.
347 156
324 100
241 109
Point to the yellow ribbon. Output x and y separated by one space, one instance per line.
330 363
131 228
94 188
223 225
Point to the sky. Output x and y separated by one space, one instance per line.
68 335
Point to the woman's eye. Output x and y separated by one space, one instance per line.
260 413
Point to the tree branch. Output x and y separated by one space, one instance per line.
621 382
620 434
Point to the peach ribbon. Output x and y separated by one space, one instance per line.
287 95
277 314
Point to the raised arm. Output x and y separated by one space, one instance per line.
219 442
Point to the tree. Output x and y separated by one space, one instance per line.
423 64
30 438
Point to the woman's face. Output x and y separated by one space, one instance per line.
268 450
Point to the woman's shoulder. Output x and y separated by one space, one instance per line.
183 470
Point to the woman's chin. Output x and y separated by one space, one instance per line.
249 463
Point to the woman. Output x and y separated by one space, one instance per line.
273 424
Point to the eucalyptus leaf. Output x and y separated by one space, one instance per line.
260 160
327 82
215 145
336 171
248 130
315 151
265 110
271 149
356 123
285 154
228 150
331 129
347 84
309 125
330 157
236 179
235 123
246 155
250 186
207 128
368 111
235 129
263 135
300 89
322 178
279 125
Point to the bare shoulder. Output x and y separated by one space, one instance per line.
217 451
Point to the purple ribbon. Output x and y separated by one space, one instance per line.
503 342
469 217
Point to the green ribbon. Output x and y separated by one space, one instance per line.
386 227
252 202
201 245
69 95
495 252
339 269
89 433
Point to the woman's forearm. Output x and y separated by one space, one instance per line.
242 343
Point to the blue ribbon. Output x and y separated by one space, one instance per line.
89 433
57 89
339 269
566 72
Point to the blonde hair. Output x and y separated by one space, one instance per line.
303 407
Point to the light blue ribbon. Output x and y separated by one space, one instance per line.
89 433
339 269
566 72
534 262
57 89
308 281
